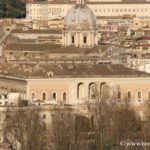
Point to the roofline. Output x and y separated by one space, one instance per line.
88 3
23 79
12 78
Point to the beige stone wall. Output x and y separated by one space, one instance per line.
70 87
134 87
48 86
51 11
13 85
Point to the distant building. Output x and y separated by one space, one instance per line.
67 73
47 10
141 64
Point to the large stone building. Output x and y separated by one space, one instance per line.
72 70
46 10
72 83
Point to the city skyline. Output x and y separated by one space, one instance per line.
75 75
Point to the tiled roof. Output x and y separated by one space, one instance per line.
31 47
53 48
50 31
70 71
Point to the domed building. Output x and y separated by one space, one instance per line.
80 26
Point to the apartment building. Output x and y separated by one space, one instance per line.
46 10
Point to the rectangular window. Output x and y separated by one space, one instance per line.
72 38
139 94
119 96
44 116
129 96
84 39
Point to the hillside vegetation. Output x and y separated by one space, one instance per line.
12 9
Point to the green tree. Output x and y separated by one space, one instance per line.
12 9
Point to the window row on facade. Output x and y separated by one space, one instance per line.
50 96
139 96
122 10
48 10
84 39
92 89
59 10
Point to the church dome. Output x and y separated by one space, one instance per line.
80 16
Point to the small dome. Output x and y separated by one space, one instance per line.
80 16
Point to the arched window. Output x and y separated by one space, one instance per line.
139 96
85 39
72 39
64 96
44 96
54 95
80 91
129 96
119 96
5 96
33 95
92 90
103 89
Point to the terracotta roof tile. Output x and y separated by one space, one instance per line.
70 71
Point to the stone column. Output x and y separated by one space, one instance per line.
81 40
76 39
68 39
92 39
86 90
89 42
64 39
